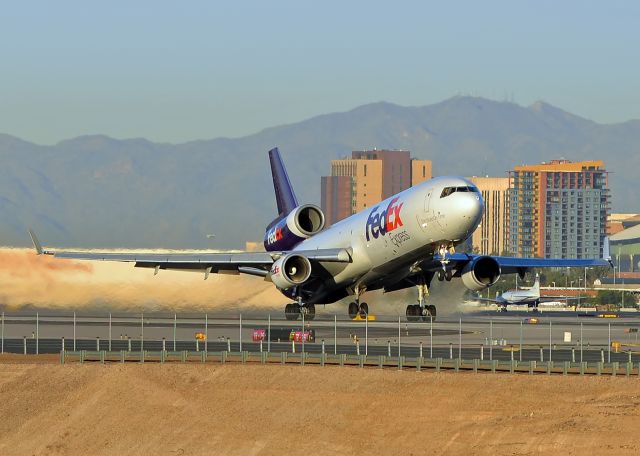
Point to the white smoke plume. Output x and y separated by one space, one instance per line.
29 280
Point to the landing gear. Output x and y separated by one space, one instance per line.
353 310
294 310
356 308
310 312
445 275
417 313
364 309
422 311
414 312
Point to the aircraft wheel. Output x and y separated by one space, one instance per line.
291 312
353 310
311 312
413 312
441 275
364 309
448 275
409 312
431 312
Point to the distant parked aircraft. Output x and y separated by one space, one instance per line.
524 296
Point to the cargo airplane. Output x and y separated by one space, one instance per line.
404 241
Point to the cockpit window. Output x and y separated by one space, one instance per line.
449 190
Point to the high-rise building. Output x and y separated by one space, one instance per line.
367 178
491 235
558 209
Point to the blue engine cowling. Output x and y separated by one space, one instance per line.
287 232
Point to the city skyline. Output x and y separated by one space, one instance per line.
171 73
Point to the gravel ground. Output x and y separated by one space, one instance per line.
189 409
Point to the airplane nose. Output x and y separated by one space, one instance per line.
470 210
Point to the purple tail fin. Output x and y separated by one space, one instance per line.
285 198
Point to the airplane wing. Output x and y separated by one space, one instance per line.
513 265
252 263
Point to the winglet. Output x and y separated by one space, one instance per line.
36 242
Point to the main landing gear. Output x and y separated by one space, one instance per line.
421 311
358 308
295 310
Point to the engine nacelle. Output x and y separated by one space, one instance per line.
480 273
301 223
290 270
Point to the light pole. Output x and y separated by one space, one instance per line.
585 278
571 284
579 280
553 284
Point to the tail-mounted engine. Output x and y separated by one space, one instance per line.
480 273
290 270
301 223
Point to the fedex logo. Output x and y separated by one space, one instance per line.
381 223
274 235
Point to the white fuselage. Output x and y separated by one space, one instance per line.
518 297
398 231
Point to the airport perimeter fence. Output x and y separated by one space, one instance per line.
513 339
401 362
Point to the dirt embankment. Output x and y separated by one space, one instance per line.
178 409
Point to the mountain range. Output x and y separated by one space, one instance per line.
96 191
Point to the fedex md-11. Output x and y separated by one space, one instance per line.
404 241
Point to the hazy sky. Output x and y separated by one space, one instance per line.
177 71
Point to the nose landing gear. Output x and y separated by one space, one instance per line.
445 274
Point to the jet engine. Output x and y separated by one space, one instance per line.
301 223
290 270
480 273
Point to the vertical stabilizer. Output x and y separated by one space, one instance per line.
285 198
536 284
